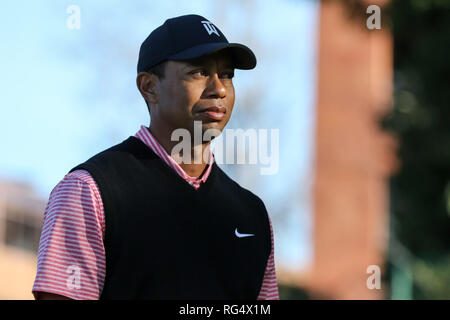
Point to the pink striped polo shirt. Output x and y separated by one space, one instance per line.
71 255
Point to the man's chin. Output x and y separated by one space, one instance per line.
212 129
208 129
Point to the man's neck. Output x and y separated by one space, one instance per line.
196 163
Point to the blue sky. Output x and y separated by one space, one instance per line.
68 94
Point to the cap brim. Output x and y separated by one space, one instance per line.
243 57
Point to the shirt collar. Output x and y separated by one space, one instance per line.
150 141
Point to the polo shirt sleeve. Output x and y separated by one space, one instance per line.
71 255
269 288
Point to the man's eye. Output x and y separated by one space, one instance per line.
199 72
228 75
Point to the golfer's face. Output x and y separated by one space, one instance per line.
198 90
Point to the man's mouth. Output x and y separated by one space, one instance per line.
215 113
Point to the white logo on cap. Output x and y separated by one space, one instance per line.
210 28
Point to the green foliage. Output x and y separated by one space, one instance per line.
420 191
287 292
432 279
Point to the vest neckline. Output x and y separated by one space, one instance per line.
167 170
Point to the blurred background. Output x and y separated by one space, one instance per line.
360 204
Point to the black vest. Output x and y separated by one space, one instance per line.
166 240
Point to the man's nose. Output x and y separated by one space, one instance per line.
215 87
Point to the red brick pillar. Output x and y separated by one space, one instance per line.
353 157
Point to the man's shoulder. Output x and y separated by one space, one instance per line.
129 145
129 148
242 191
254 198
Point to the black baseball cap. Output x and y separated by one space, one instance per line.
188 37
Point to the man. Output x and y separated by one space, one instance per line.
135 222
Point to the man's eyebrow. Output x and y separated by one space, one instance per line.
190 64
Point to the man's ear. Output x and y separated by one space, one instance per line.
146 84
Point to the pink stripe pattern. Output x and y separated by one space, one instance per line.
146 137
71 255
269 288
